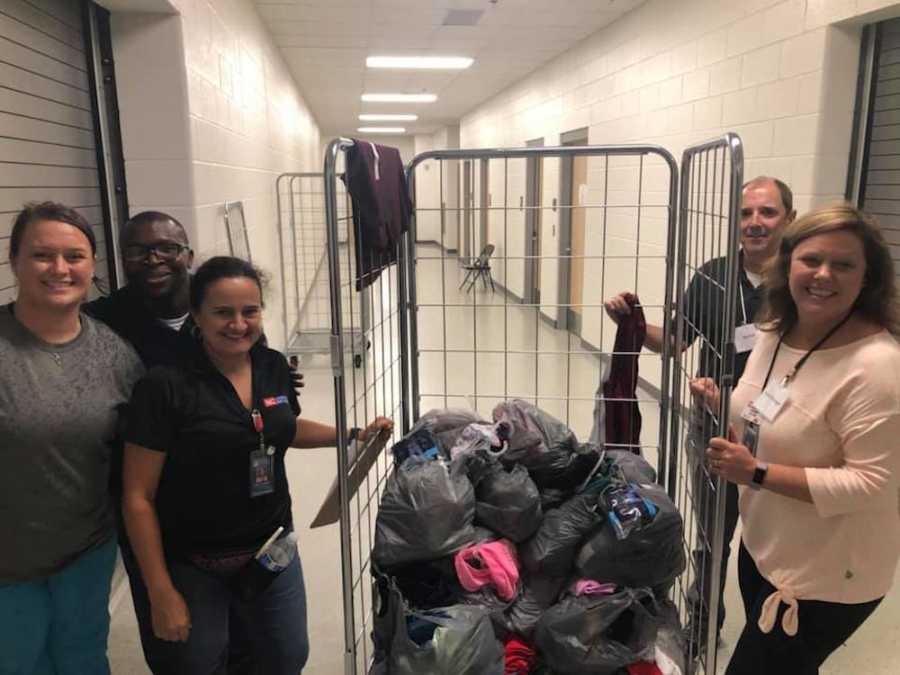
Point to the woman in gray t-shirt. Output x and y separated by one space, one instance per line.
62 378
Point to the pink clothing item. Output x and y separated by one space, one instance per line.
841 423
591 587
493 563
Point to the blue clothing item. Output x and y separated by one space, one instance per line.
274 624
59 625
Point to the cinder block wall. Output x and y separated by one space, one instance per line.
210 113
782 74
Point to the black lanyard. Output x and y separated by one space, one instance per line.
799 364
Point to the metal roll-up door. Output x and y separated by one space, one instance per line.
879 190
47 132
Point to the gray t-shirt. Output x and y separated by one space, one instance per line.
58 415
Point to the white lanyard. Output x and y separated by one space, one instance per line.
743 306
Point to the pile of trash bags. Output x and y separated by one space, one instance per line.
505 546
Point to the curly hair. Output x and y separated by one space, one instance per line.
877 301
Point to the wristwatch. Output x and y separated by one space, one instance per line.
759 475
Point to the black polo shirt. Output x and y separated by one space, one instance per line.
193 414
704 308
124 311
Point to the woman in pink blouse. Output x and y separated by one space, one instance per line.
817 412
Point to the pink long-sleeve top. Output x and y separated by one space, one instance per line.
842 423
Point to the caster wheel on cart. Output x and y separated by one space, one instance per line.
357 361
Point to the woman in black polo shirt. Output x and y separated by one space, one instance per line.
205 485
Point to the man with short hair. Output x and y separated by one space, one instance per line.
766 207
153 307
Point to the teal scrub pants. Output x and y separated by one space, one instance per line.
59 625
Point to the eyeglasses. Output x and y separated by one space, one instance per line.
163 250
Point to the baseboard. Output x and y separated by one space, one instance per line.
432 242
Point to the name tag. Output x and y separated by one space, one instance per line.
769 403
262 472
751 437
745 337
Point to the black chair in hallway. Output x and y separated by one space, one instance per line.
480 267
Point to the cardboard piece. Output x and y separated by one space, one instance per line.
360 460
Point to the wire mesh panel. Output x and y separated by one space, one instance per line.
370 385
553 232
706 286
304 270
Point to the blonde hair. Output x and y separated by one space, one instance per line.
877 300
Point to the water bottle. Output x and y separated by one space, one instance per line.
280 554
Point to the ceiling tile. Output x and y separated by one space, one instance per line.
325 42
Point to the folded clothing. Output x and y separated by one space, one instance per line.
492 563
591 587
520 657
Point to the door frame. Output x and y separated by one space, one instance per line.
533 201
484 205
468 204
565 317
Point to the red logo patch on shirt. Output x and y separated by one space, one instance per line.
272 401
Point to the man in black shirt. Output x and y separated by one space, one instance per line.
152 309
766 207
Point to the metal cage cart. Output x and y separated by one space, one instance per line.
570 226
306 308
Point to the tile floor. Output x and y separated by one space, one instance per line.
506 337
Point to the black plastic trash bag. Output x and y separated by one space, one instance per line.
545 446
462 643
598 634
538 594
631 468
508 502
426 512
670 645
428 584
651 555
484 437
461 640
446 425
552 549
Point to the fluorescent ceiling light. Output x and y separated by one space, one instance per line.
381 130
387 118
399 98
420 62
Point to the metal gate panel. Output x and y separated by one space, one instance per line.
372 384
703 336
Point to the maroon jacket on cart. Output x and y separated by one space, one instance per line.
617 418
381 207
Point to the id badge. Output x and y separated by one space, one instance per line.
262 472
751 437
745 337
769 403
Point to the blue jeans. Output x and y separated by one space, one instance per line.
59 625
275 623
240 652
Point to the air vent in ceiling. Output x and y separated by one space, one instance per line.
463 17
